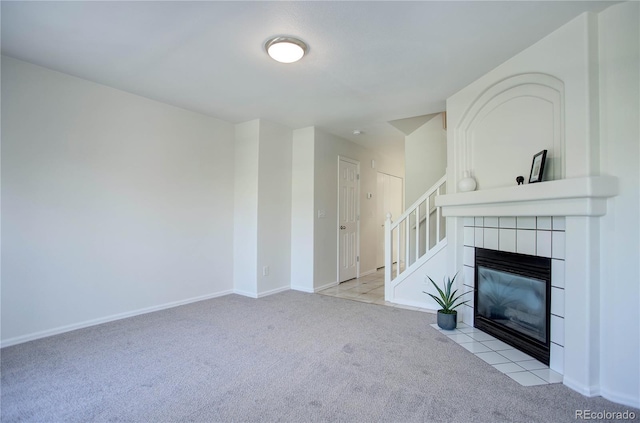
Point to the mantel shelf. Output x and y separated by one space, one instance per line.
566 197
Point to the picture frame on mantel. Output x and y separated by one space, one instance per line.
537 167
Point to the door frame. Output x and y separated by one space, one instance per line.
357 163
402 198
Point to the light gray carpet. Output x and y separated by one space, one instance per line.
289 357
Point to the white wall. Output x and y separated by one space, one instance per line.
620 228
302 209
502 155
327 150
425 158
245 208
274 208
596 60
113 204
262 210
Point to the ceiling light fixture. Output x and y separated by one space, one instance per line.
286 49
357 132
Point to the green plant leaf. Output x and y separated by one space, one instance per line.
447 298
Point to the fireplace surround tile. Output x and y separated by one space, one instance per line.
493 357
507 222
497 345
500 362
548 375
490 222
475 347
556 361
482 337
508 367
557 273
526 242
507 240
515 355
557 301
469 256
468 277
532 365
557 245
478 237
557 330
491 238
469 236
543 243
469 297
525 222
527 379
543 223
460 338
559 223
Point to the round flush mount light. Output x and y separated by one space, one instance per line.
286 49
357 132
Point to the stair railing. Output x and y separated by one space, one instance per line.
420 229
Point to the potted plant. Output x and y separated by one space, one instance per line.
447 315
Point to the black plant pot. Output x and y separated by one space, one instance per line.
447 321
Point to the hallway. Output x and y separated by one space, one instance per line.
366 289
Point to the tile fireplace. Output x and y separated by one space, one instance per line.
541 241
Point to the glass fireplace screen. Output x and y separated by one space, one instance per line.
516 302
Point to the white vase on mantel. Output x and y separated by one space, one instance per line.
467 183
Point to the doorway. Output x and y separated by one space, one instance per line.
390 200
348 219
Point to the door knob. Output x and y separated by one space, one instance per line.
343 227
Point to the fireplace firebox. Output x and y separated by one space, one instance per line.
513 300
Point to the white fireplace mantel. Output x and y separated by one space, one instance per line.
566 197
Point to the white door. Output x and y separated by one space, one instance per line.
347 220
389 192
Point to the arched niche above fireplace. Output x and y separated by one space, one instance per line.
507 124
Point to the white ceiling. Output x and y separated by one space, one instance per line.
369 62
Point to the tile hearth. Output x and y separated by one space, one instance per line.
519 366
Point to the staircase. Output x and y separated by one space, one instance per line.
415 241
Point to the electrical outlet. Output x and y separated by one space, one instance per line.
265 271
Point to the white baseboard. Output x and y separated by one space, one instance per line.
415 304
329 285
624 399
368 272
261 294
68 328
274 291
245 293
302 288
596 391
587 391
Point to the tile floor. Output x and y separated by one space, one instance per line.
367 289
519 366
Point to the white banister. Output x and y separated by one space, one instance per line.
387 250
397 250
406 241
424 234
417 232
